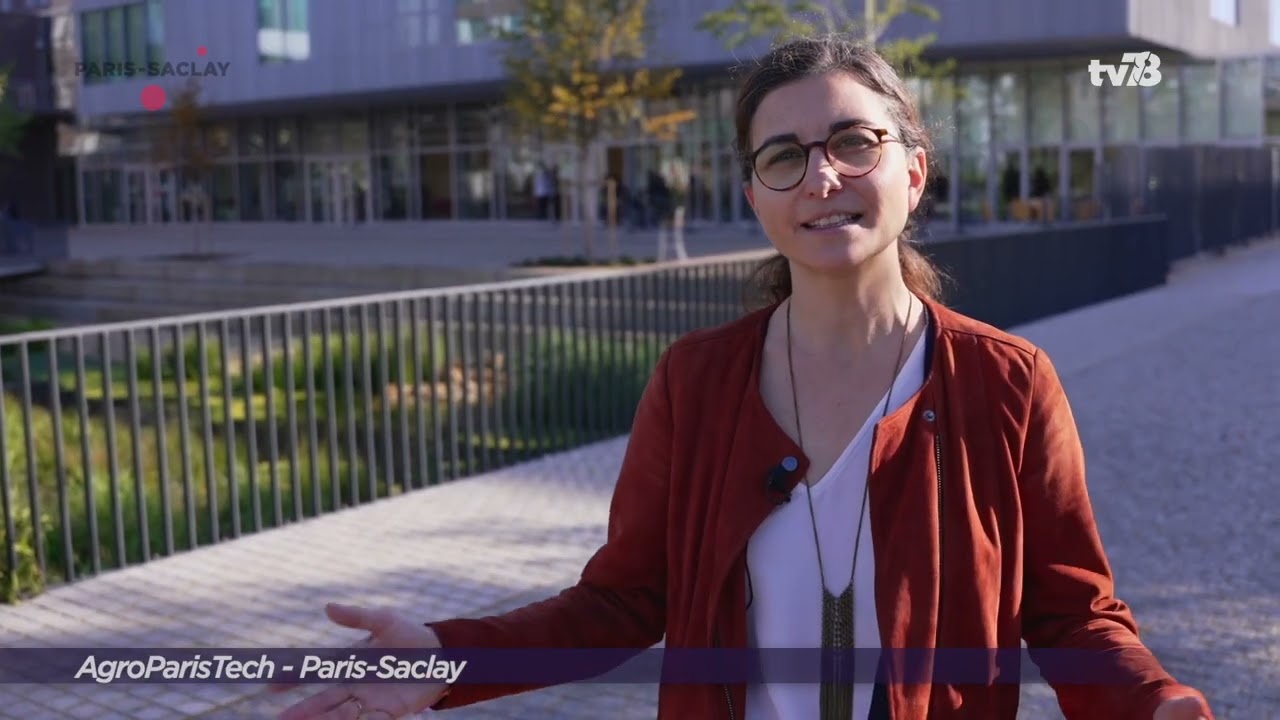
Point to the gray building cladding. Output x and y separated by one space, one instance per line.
387 110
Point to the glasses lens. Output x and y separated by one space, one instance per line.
854 151
781 165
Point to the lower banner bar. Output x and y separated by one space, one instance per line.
557 666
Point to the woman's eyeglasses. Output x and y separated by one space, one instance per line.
853 152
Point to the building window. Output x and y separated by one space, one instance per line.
116 40
1225 11
155 31
1201 111
418 22
483 20
1275 22
1161 108
1244 116
283 31
136 30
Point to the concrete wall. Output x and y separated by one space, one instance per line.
1188 26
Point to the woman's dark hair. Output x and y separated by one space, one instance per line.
809 57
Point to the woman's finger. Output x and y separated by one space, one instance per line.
375 620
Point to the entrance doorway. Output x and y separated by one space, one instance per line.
338 190
135 192
150 195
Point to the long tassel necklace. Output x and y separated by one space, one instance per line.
836 693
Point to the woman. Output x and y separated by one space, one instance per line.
853 465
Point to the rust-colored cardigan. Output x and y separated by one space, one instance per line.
983 530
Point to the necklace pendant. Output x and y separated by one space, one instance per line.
836 695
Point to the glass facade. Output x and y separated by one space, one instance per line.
115 38
1012 143
284 33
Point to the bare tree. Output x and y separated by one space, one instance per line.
179 144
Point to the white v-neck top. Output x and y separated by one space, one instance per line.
786 605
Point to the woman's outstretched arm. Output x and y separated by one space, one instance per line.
1072 622
619 602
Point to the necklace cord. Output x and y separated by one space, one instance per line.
795 404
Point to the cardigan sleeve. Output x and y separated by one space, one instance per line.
619 601
1072 622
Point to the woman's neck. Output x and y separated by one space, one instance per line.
841 318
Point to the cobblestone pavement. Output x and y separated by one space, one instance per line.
1177 393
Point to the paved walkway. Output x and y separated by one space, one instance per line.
1177 392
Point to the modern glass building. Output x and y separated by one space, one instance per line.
389 110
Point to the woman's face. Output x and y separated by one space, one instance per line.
830 223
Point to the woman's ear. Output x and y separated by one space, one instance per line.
917 176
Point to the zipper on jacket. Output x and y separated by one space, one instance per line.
728 698
937 459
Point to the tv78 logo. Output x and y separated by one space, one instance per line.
1142 68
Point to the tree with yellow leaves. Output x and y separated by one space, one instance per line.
178 143
782 20
573 77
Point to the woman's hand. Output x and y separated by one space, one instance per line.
1181 708
373 701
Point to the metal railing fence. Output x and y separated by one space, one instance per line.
126 442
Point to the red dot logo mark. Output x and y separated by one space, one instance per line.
202 51
153 97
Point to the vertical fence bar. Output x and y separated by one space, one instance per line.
466 334
659 296
596 342
161 436
10 524
561 390
135 435
28 436
64 507
539 351
677 295
575 360
451 406
366 368
206 411
228 411
313 432
420 398
331 409
349 386
184 430
384 381
87 455
113 469
617 336
632 286
582 376
250 421
521 376
437 429
273 442
404 391
482 302
508 451
605 346
294 453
